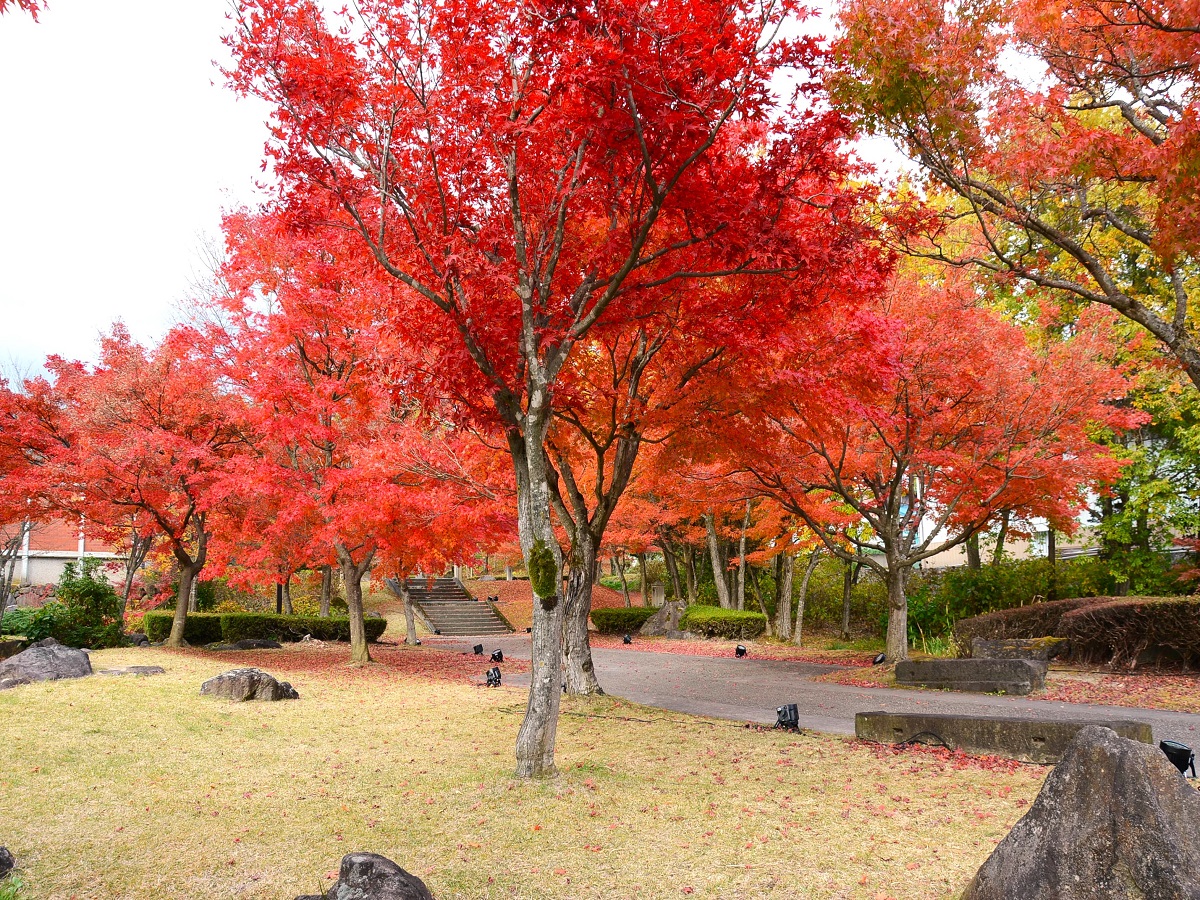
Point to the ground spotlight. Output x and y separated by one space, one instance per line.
788 717
478 648
879 660
1180 755
529 631
497 656
417 642
739 651
627 639
437 631
493 677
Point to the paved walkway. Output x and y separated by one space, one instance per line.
749 690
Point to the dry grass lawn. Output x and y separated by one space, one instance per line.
140 788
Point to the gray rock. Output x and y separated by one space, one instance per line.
134 670
45 661
1113 821
257 644
664 621
248 684
373 615
137 639
7 863
369 876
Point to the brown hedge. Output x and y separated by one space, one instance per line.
1135 631
1033 621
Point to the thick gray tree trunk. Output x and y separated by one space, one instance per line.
578 667
896 577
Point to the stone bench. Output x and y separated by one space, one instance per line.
1010 676
1023 738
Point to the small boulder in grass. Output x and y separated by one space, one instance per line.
369 876
248 684
47 660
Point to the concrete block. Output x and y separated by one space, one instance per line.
1009 676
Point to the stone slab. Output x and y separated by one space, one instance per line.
986 676
1043 649
1027 739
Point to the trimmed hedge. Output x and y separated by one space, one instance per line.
1032 621
712 621
210 628
621 619
200 628
1131 632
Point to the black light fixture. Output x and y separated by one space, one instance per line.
739 651
493 677
497 656
417 642
788 717
879 660
1180 755
478 648
529 631
437 631
628 639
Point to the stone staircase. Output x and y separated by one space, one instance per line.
453 611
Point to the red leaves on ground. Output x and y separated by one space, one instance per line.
954 759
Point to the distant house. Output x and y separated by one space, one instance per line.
48 547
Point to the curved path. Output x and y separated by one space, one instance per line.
749 690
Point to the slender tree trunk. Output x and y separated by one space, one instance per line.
847 594
619 565
190 567
138 548
288 609
974 560
998 555
741 572
352 574
718 564
813 559
690 573
897 627
579 670
539 729
672 564
762 606
326 589
410 619
641 558
1052 555
783 590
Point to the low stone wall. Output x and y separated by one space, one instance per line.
1010 676
1026 739
1046 648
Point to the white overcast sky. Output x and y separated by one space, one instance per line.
119 149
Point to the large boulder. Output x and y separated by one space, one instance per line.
7 863
47 660
369 876
664 621
1114 821
248 684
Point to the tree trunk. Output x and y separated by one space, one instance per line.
539 729
759 598
1052 555
672 564
897 627
288 609
718 564
619 565
138 548
578 667
190 567
690 573
326 589
847 593
741 572
783 590
813 559
998 555
410 619
974 560
641 557
352 574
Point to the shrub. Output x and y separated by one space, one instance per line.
1033 621
621 619
200 628
16 621
712 621
268 626
86 611
1132 631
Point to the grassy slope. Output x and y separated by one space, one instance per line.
140 788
